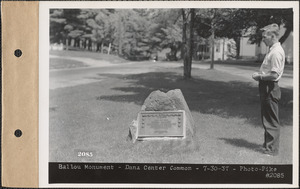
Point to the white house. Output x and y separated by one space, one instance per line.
258 52
224 49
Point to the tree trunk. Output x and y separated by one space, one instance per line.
212 48
184 45
190 43
238 46
285 35
203 52
73 42
120 53
223 51
90 45
76 42
67 44
187 49
93 46
98 47
102 46
84 44
80 44
109 48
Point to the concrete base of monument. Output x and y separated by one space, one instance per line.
165 117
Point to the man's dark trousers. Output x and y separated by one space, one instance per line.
270 95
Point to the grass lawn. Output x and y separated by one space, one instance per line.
96 117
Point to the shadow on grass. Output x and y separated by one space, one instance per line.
242 143
242 63
223 98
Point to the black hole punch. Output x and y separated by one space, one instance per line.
18 133
18 53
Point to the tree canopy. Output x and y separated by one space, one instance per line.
144 32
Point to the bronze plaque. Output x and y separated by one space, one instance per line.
157 124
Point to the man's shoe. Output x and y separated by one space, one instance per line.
270 153
260 149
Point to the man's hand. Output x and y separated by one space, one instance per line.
256 76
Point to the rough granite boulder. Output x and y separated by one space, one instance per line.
172 100
158 101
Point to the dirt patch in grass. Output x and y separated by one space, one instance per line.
96 117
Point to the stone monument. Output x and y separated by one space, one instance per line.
164 116
161 124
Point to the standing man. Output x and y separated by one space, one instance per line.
268 76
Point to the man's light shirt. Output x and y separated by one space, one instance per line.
274 61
